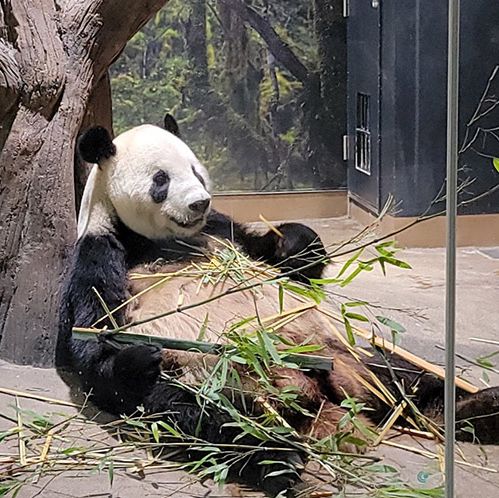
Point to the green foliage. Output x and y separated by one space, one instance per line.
395 328
10 486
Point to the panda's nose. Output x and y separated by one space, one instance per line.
200 207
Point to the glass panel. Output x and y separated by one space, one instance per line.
259 90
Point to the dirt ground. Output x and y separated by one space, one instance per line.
414 298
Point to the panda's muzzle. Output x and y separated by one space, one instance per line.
190 224
200 207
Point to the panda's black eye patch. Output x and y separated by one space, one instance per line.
159 187
160 178
198 176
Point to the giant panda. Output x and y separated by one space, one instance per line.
147 209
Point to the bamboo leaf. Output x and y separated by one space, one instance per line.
356 316
392 324
400 264
276 473
349 262
325 281
155 432
349 331
354 304
281 298
170 429
110 472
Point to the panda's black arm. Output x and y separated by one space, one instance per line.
99 264
296 249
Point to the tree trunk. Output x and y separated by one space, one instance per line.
330 28
195 33
60 52
216 117
235 47
99 112
279 48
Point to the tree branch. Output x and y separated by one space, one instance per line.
279 48
102 28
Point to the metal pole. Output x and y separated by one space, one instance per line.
450 277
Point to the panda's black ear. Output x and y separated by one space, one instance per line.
95 145
171 125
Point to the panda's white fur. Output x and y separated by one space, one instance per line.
119 186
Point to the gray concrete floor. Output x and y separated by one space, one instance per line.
414 298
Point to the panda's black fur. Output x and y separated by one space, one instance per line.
121 379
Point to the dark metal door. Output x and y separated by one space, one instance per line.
364 21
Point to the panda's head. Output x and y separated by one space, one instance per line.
149 177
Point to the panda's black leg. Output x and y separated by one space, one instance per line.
477 417
181 408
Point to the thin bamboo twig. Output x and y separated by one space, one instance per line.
390 422
20 434
414 432
435 456
164 278
105 307
485 341
271 227
22 394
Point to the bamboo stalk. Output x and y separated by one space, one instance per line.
415 432
303 360
353 351
292 311
271 227
389 423
135 296
485 341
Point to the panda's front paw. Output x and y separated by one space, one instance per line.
300 251
138 367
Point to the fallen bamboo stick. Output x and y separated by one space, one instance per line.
485 341
271 227
22 394
415 432
20 434
390 422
